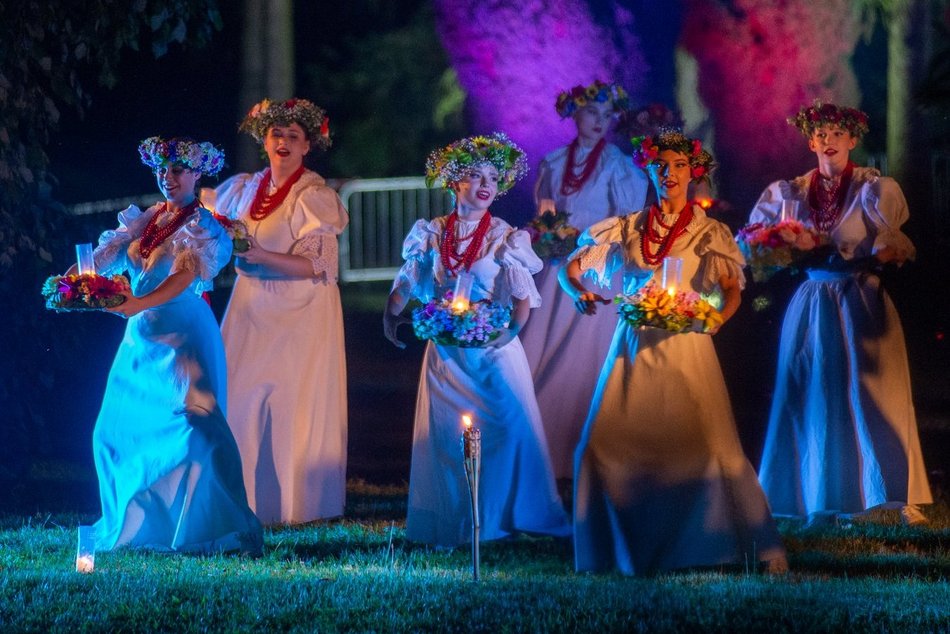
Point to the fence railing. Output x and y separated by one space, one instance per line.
382 210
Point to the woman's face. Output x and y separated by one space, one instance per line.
670 174
286 145
593 121
477 188
177 182
832 144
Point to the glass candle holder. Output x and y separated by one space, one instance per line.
789 210
672 274
84 259
463 291
86 550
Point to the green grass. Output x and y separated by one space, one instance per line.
360 574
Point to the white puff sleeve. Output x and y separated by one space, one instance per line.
719 255
887 210
518 263
111 256
232 197
416 277
599 250
201 246
769 206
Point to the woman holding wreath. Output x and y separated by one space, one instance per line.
842 435
591 180
492 383
283 328
661 481
168 467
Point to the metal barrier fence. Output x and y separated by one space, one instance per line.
382 210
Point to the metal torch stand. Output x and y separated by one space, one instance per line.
472 447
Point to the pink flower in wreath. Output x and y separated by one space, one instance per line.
697 147
697 172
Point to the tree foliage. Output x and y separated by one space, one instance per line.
52 54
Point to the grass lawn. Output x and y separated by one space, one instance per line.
360 574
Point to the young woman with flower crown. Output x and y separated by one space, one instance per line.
842 435
169 470
591 180
661 480
283 328
492 384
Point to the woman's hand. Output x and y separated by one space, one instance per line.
586 302
130 307
255 254
546 206
888 255
391 325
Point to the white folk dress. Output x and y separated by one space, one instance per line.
286 364
493 386
661 481
842 434
169 470
565 349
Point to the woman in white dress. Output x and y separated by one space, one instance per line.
169 470
661 482
591 180
842 435
283 328
492 384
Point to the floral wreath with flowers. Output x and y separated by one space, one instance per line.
266 114
204 157
647 148
811 118
453 161
648 120
569 101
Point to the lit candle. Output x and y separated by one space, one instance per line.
472 453
84 261
463 291
672 274
86 550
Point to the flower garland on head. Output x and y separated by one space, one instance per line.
570 101
811 118
266 114
204 157
647 148
454 160
648 120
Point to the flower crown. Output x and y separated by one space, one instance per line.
569 101
451 162
204 157
266 114
648 120
647 148
810 118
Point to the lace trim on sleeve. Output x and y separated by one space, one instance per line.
716 266
521 285
323 252
188 260
594 261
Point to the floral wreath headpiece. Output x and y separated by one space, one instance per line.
647 148
204 157
569 101
648 120
266 114
810 118
451 162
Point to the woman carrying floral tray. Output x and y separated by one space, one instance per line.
491 382
661 481
842 435
588 179
283 327
169 470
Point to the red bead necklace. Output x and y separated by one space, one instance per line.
651 233
826 206
154 236
264 204
452 260
572 183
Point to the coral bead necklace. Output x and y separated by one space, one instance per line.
265 203
452 260
153 236
651 233
571 182
826 205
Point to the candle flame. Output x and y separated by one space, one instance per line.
671 291
467 421
705 203
460 305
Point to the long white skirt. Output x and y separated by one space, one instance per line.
517 492
662 482
842 432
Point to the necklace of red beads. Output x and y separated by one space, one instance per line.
264 203
154 236
572 182
651 233
452 260
826 205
